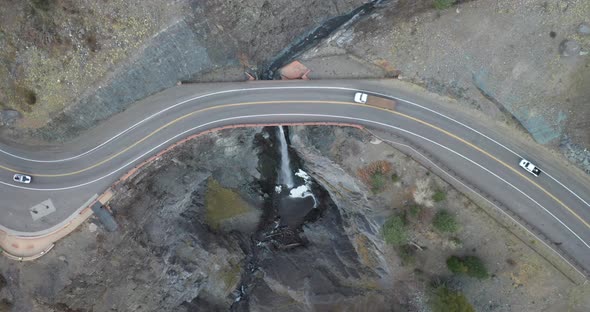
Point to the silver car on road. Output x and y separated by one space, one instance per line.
22 178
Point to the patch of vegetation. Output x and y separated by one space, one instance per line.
92 42
370 285
42 5
455 243
377 182
445 222
222 203
374 175
443 4
27 95
455 265
394 230
469 265
362 243
446 300
231 276
439 196
5 305
394 178
407 254
415 210
2 280
30 97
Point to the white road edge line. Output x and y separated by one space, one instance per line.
284 88
485 199
483 135
307 115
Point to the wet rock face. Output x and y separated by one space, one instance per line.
314 265
261 28
324 273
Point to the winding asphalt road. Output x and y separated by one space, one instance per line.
66 177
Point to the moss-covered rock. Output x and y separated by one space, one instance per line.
222 204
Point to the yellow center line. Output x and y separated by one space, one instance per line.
314 102
477 148
165 126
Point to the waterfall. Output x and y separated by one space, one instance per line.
285 176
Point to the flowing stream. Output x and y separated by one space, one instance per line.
313 38
296 200
286 175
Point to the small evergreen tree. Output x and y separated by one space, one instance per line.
445 222
394 230
446 300
469 265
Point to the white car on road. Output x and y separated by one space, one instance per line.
528 166
22 178
360 97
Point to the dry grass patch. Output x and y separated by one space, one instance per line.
375 175
423 193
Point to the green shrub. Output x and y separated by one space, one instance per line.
415 210
375 174
407 254
445 222
377 182
446 300
469 265
455 265
43 5
30 97
394 231
443 4
475 267
439 196
455 242
27 95
394 178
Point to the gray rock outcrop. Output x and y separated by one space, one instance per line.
569 47
584 29
8 117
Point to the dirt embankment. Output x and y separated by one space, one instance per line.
68 64
55 51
